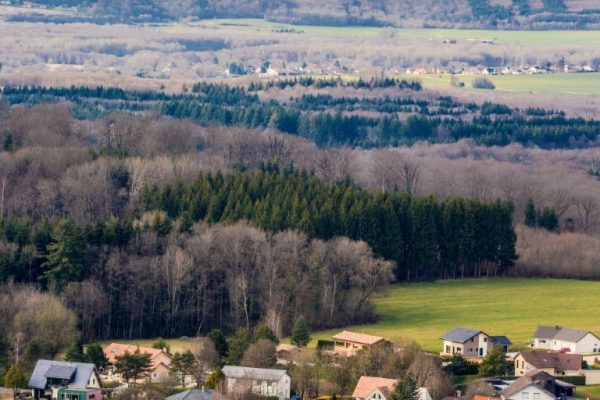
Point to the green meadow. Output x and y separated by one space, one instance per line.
511 307
574 83
553 38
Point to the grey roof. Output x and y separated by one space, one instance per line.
78 380
521 384
61 371
196 394
253 373
571 335
459 335
547 332
560 333
502 340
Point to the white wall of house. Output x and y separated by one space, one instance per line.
476 347
531 392
589 344
94 381
592 376
545 344
271 388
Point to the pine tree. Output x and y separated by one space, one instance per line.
263 332
549 220
95 355
218 339
531 217
15 379
75 353
300 335
65 257
406 390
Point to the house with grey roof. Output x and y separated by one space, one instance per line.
61 380
537 385
557 338
260 381
471 343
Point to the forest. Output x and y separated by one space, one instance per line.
131 223
342 120
456 13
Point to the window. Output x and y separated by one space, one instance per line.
92 396
447 349
525 395
536 396
472 340
542 341
485 339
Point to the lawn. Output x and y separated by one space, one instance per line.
584 392
579 83
512 307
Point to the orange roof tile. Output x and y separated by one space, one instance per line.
114 350
367 384
354 337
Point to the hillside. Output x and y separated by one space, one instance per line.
423 312
511 14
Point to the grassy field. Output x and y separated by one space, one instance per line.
585 392
554 38
582 83
512 307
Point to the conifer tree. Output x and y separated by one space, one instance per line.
300 335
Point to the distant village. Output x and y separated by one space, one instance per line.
270 70
553 366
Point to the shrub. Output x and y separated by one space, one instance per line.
483 83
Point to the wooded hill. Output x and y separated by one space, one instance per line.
512 14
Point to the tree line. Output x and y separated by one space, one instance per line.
428 239
330 121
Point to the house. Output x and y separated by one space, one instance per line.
284 353
160 361
197 394
562 364
260 381
471 343
61 380
349 343
375 388
557 338
537 385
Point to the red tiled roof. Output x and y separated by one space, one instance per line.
367 384
114 350
557 361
